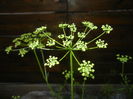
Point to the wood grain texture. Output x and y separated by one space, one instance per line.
27 23
114 18
20 16
92 5
31 5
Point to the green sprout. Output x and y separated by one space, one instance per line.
123 59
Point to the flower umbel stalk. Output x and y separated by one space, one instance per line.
72 79
83 89
42 73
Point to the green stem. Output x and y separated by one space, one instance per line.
64 32
85 29
83 89
39 64
92 48
45 69
122 69
55 40
75 58
71 69
88 32
96 37
64 56
82 38
42 72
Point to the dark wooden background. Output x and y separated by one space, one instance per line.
20 16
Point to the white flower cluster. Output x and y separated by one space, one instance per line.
89 25
61 36
101 44
50 42
81 45
63 25
106 28
51 61
33 44
123 58
40 29
67 43
70 37
86 69
67 74
81 35
72 27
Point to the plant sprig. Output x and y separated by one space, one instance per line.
69 41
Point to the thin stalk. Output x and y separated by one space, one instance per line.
92 48
122 69
55 40
42 72
85 29
75 58
83 89
96 38
39 64
71 69
82 38
45 69
64 32
87 33
122 74
64 56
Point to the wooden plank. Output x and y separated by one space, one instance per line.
28 23
103 17
31 5
13 24
92 5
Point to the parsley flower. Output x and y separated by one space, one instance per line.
51 61
63 25
71 37
107 28
8 49
22 52
86 69
81 35
67 43
40 29
61 36
50 42
123 58
81 45
89 25
101 44
72 27
67 74
33 44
